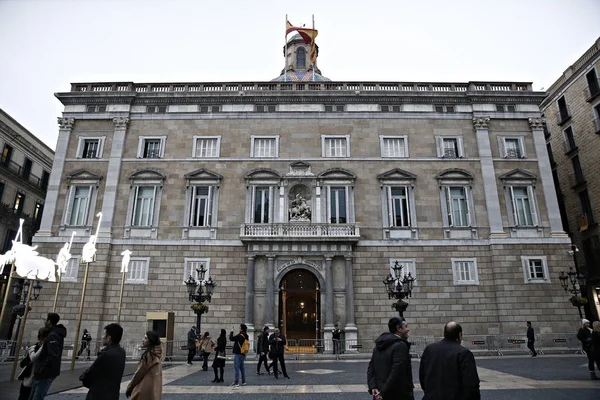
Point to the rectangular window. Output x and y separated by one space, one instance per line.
336 146
523 204
2 185
37 214
579 178
262 197
26 171
535 269
334 108
394 146
201 206
390 108
400 209
586 206
337 205
408 267
45 179
464 271
80 205
209 109
90 148
6 154
19 203
593 84
458 206
143 211
512 147
449 146
264 147
72 271
156 109
444 109
206 147
569 139
266 108
193 265
96 109
563 110
151 146
137 271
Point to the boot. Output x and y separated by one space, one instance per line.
593 376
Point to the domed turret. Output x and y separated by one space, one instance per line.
298 66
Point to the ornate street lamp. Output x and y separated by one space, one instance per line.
574 283
399 287
204 293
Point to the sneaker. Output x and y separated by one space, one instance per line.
259 373
189 363
235 384
244 383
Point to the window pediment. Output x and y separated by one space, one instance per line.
203 175
263 173
455 175
518 175
147 174
337 173
396 175
84 175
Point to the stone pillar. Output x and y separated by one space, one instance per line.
328 301
537 129
249 306
351 334
65 127
269 307
490 185
112 176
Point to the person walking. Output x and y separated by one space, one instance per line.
103 377
238 356
27 363
262 348
191 344
47 367
86 339
219 360
596 342
447 369
389 375
206 345
146 383
531 339
585 337
277 342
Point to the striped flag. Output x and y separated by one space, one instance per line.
308 35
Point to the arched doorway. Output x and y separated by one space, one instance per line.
299 305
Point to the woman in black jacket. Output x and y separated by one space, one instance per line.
219 360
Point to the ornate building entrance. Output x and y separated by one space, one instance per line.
300 305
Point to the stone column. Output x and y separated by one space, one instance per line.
249 306
490 185
112 176
64 132
269 307
537 129
328 301
350 331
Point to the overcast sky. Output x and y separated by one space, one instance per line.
47 44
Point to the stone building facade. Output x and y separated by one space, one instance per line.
572 110
25 165
300 193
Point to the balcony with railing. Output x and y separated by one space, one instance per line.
23 173
563 115
591 92
303 231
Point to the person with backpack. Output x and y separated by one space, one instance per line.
241 346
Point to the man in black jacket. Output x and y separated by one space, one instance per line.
277 342
103 377
191 344
262 348
389 375
448 370
86 339
531 339
47 366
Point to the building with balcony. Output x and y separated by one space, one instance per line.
25 165
572 109
299 194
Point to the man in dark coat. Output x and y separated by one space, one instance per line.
191 344
262 348
86 339
585 337
448 370
103 377
389 375
277 342
531 339
47 366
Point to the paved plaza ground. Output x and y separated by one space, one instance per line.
550 377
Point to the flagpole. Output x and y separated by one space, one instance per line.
285 51
7 291
315 64
20 338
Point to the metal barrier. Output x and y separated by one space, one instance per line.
559 342
478 344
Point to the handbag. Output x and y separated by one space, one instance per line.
221 356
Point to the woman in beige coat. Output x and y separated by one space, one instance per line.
146 383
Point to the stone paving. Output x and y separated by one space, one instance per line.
510 378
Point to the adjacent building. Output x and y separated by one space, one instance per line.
572 110
299 194
25 166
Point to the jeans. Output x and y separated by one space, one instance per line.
238 366
205 356
40 388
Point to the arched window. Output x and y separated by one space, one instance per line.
301 58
